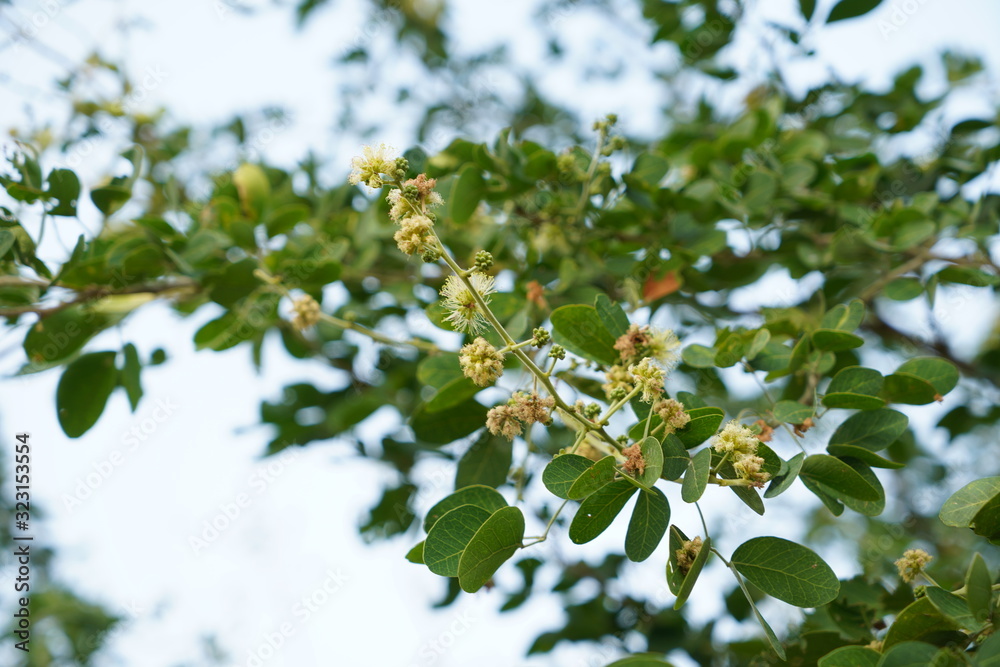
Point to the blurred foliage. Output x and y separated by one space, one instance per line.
816 187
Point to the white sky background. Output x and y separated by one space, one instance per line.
127 544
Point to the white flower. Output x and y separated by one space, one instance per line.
371 164
465 313
647 375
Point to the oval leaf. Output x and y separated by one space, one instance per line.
649 522
787 571
480 496
449 536
495 542
83 391
599 509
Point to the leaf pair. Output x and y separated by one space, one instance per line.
471 533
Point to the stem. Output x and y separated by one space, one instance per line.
424 345
380 338
544 536
581 204
618 406
703 524
522 357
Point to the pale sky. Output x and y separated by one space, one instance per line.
289 568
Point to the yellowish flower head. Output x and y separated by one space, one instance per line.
464 312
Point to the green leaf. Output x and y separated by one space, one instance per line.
492 545
562 472
466 193
772 638
855 387
698 356
110 198
685 582
851 656
792 412
580 330
954 608
979 589
62 334
835 341
649 522
83 391
904 289
908 389
837 476
612 316
844 317
675 458
598 475
450 535
704 424
416 554
446 426
866 507
451 394
439 369
7 240
485 497
758 343
787 571
963 505
849 9
696 477
939 373
486 462
920 621
986 522
781 482
652 453
807 7
909 654
988 654
130 375
64 187
598 510
967 275
872 430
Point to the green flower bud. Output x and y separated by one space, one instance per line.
484 261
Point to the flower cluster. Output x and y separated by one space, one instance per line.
417 195
375 162
672 413
465 313
640 342
912 564
481 362
523 409
306 312
635 463
687 554
739 444
638 349
649 377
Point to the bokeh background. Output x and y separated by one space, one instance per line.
319 79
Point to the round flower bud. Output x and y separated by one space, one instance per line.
481 362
